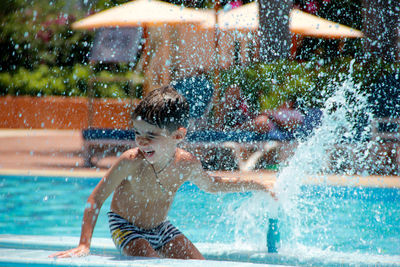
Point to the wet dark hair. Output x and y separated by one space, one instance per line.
163 107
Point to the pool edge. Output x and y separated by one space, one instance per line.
330 180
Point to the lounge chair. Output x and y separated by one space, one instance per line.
231 145
224 149
98 143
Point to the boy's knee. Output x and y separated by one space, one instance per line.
141 248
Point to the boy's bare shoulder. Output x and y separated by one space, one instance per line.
185 157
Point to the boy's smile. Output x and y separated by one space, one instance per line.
157 144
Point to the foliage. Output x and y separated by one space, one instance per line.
99 5
42 55
267 86
69 81
38 32
204 3
347 12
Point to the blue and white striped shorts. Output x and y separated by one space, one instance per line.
123 231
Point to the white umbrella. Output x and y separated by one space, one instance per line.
305 24
144 13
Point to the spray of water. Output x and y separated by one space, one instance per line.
340 144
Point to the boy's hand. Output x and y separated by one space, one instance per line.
268 186
273 195
79 251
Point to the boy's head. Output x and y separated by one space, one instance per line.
163 107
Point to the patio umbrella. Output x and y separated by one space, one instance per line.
305 24
309 25
143 13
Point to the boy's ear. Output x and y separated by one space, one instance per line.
180 133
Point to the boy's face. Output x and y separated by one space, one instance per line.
155 143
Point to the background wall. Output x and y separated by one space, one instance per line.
63 112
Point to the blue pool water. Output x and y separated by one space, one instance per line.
339 219
54 206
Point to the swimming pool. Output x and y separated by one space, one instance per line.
358 224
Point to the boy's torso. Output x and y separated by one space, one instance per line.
146 197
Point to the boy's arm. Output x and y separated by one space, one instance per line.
96 199
211 183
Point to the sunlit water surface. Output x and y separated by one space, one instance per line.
342 219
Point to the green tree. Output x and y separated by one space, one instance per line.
39 32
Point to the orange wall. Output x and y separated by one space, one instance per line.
62 112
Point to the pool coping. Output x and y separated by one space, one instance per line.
17 250
331 180
14 248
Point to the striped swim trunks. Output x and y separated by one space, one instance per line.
123 231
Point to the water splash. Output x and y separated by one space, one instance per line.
246 226
341 144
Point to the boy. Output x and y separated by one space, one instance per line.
145 180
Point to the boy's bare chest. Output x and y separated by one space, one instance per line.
150 183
